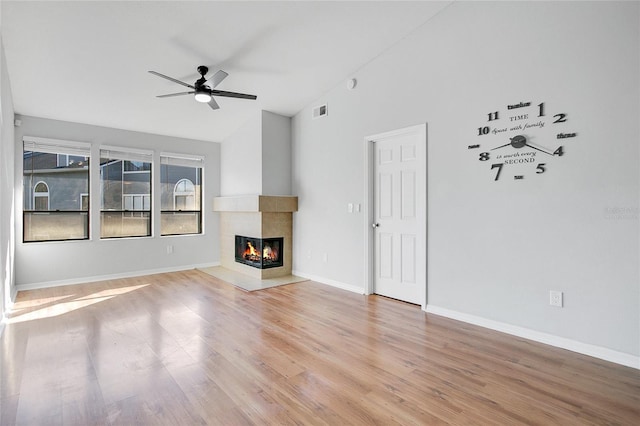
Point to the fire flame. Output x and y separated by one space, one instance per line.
268 253
251 251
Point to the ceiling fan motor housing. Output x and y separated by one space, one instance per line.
203 92
202 70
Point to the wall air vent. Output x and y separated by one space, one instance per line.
319 111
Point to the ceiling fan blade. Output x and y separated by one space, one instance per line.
217 78
172 79
233 94
175 94
213 104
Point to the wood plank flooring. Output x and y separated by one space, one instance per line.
185 348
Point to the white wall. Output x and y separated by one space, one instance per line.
495 249
7 289
276 154
78 261
241 160
256 159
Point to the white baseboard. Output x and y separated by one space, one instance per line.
549 339
332 283
96 278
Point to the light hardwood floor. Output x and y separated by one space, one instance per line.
186 349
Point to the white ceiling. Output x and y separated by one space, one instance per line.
87 61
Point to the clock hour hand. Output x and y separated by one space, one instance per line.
501 146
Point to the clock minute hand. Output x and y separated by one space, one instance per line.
541 150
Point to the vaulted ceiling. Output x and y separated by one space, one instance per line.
87 61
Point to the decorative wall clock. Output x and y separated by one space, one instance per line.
521 140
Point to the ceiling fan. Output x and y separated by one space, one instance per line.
204 89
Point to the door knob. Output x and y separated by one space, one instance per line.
375 225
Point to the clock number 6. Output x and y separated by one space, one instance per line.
499 166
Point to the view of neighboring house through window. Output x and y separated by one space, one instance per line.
125 181
181 179
41 196
56 190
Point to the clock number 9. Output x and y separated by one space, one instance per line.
484 156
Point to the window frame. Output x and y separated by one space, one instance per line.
122 155
61 149
183 160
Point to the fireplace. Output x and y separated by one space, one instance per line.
260 217
261 253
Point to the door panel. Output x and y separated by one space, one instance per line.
400 271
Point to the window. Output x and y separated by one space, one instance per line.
136 166
41 196
84 202
125 181
65 160
184 195
181 179
55 185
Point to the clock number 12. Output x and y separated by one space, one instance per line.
560 118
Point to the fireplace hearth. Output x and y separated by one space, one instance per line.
261 253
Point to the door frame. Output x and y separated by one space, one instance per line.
369 209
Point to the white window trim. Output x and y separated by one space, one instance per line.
56 146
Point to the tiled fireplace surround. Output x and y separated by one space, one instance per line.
255 216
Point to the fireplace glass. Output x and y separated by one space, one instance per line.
261 253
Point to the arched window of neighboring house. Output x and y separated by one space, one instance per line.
41 196
184 195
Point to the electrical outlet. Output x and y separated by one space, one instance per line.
169 249
555 298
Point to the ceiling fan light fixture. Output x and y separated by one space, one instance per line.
202 96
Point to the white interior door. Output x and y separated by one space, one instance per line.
399 219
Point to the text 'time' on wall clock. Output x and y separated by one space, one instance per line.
521 140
